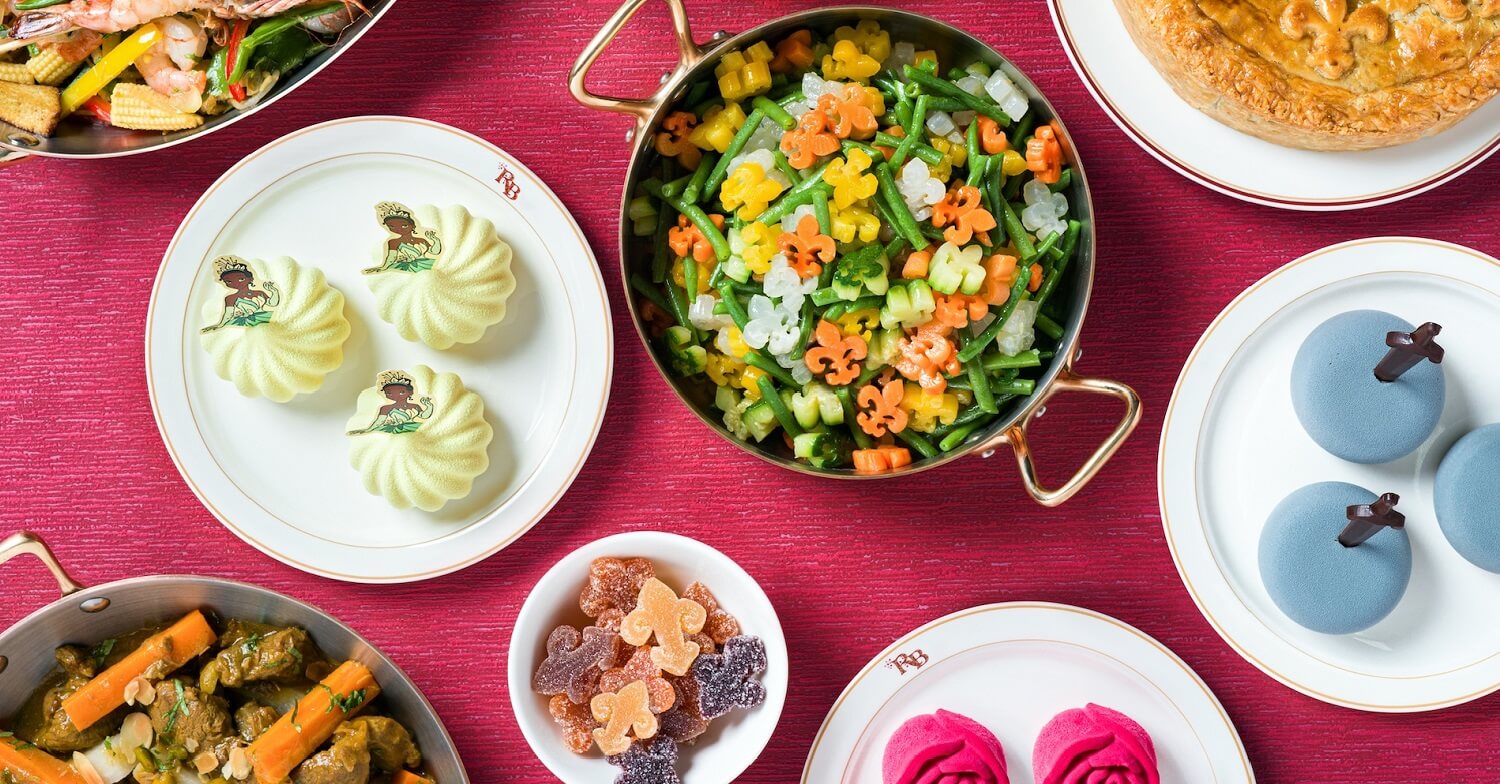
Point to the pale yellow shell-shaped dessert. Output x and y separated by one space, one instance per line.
444 297
422 445
273 327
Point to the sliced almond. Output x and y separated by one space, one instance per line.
86 769
238 766
136 731
139 690
205 763
191 744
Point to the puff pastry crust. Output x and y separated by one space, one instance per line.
1325 74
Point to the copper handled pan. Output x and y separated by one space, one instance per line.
696 62
87 615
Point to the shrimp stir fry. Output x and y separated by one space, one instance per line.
197 57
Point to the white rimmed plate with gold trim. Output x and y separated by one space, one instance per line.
1012 667
1232 448
278 474
1239 165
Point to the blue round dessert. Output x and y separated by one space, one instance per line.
1345 408
1320 583
1467 497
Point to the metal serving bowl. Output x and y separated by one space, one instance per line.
87 140
953 46
87 615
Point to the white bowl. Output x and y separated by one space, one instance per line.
732 742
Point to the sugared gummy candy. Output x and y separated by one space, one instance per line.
575 661
653 762
727 680
577 722
639 667
720 625
614 584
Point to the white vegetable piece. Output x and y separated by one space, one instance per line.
1018 333
783 283
800 372
1045 211
701 314
765 160
940 123
1005 92
964 119
767 136
771 326
789 222
919 189
903 53
973 84
114 758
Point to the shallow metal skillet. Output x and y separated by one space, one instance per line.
88 140
87 615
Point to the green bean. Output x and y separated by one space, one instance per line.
980 382
794 198
971 141
851 417
1022 130
804 332
773 399
665 217
894 247
1048 327
1064 180
693 192
913 132
1016 231
836 309
1013 188
917 442
1025 359
677 306
785 167
985 106
978 167
959 382
932 232
673 188
867 376
690 278
941 103
1021 386
772 367
775 112
701 220
926 152
1069 244
903 113
1018 293
824 296
957 436
825 278
790 98
820 209
1042 249
974 414
721 169
737 312
695 93
906 224
649 291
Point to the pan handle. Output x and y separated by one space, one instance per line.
688 55
24 542
1018 439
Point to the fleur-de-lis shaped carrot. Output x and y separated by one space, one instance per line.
806 248
809 140
961 213
794 53
991 136
672 141
957 310
836 356
926 356
880 408
999 276
849 113
1044 154
687 240
1333 30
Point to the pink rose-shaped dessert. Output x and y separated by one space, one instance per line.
1094 745
944 748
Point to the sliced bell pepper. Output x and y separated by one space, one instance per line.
90 82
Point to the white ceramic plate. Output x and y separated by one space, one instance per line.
1014 666
1232 448
278 475
732 742
1243 166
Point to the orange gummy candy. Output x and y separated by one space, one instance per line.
577 722
659 613
614 584
622 712
720 625
639 667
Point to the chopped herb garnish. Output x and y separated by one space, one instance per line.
252 642
345 703
296 723
6 733
178 708
102 651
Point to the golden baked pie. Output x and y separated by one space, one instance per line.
1325 74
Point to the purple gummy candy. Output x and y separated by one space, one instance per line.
727 680
648 762
574 662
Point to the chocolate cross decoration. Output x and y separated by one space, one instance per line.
1366 520
1408 349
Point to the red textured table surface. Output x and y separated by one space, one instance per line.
849 566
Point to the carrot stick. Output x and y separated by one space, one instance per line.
28 764
298 733
160 654
407 777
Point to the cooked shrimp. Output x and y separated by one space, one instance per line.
113 16
78 45
168 66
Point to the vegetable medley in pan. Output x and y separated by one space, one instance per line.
855 246
202 702
155 65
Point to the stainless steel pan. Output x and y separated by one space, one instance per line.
87 140
695 62
87 615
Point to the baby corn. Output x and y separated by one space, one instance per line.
15 72
49 67
141 108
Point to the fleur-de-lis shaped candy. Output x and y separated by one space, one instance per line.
660 614
622 712
1333 28
574 661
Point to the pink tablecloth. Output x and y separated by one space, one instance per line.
850 566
